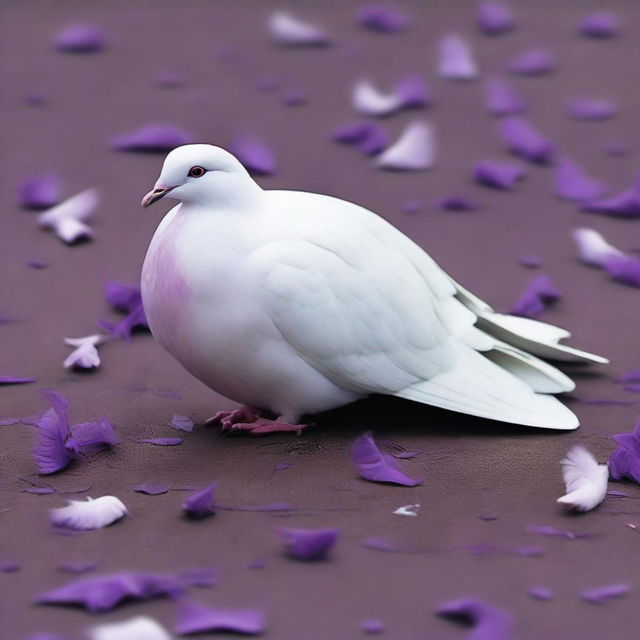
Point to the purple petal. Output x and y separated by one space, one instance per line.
376 466
37 263
501 99
161 442
308 544
539 294
624 269
540 593
457 203
288 30
151 489
46 636
181 423
201 503
593 248
591 109
153 138
550 530
535 551
599 595
456 59
530 262
254 155
601 24
413 92
368 137
494 18
499 175
5 380
123 297
105 592
372 626
50 452
623 205
525 141
10 566
488 622
382 18
201 577
536 62
573 184
41 491
89 437
196 618
630 376
625 460
380 544
81 38
414 150
40 192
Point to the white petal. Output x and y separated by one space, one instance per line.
92 514
456 59
140 628
69 230
414 149
367 99
407 510
586 480
79 207
287 29
86 356
593 248
94 340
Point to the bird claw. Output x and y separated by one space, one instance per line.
263 426
226 419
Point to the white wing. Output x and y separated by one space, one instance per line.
372 311
586 480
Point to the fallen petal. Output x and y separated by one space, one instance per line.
623 205
456 59
90 514
540 593
197 618
536 62
573 184
161 442
382 18
600 595
414 150
499 175
585 479
40 192
151 489
181 423
254 155
524 140
488 622
68 218
591 109
369 100
286 29
494 18
593 249
308 544
81 38
539 294
201 503
502 99
601 24
153 138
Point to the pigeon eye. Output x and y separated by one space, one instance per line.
197 172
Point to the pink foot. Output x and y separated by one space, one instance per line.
261 426
226 419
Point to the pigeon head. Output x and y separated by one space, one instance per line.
201 174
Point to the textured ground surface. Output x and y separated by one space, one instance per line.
472 467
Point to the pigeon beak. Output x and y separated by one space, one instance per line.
154 195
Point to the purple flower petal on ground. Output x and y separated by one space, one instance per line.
614 493
457 203
37 263
40 192
41 491
375 466
136 319
456 60
593 249
367 99
494 18
624 269
501 98
535 551
540 593
368 137
625 460
524 140
602 24
90 437
572 183
201 503
288 30
499 175
194 617
123 297
85 355
382 18
538 295
599 595
550 530
489 623
81 38
153 138
630 376
308 544
414 150
105 592
181 423
201 577
254 155
413 91
50 452
68 219
372 626
151 489
6 380
161 442
591 109
536 62
623 205
530 262
10 566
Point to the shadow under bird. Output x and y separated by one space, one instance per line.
295 303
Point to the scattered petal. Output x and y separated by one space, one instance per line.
601 24
105 592
90 437
456 59
68 219
540 593
536 62
489 623
501 98
593 249
382 18
41 491
35 98
254 155
290 31
162 442
599 595
585 479
457 203
624 269
368 137
499 175
181 423
37 263
139 628
85 355
151 489
201 503
5 380
538 295
308 544
525 141
152 138
413 91
127 299
369 100
573 184
40 192
407 510
51 453
375 466
10 566
81 38
494 18
414 150
623 205
591 109
196 618
625 460
550 530
372 626
90 514
530 262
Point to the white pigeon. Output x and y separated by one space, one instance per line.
296 303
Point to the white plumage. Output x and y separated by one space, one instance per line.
297 303
586 480
89 514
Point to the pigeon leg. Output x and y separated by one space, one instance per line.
226 419
264 425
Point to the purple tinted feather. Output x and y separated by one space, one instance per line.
162 442
602 24
308 544
540 593
50 452
573 184
525 141
196 618
536 62
151 489
201 503
498 175
153 138
599 595
623 205
494 18
89 437
8 379
538 295
591 109
40 192
489 623
81 38
382 18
